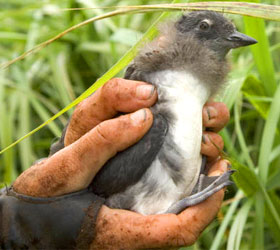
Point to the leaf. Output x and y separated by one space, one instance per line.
270 220
240 135
151 32
271 12
256 28
245 178
226 221
253 87
234 85
238 226
273 181
258 230
269 136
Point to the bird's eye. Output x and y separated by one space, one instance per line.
204 25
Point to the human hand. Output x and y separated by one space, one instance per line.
92 138
215 116
91 133
122 229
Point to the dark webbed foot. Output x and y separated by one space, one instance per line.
206 187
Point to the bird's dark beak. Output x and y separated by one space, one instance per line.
238 39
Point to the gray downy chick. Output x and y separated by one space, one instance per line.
163 172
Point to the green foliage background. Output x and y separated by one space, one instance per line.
36 88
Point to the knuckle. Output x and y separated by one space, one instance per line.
220 141
192 238
185 234
106 140
224 106
215 138
112 131
222 116
79 112
187 238
80 105
112 84
227 116
113 92
101 132
79 109
225 111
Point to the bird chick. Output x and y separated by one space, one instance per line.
164 171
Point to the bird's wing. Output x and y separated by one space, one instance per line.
129 72
132 73
128 166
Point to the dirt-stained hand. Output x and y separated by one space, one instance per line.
95 130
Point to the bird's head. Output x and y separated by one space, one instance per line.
218 33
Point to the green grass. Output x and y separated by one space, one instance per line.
36 88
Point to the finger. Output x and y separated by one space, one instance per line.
212 144
117 95
72 168
219 167
120 228
215 115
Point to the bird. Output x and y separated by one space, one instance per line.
165 172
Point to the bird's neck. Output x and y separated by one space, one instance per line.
178 86
189 55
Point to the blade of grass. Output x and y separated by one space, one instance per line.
256 28
228 7
12 36
269 136
229 144
240 135
234 86
36 95
259 223
225 223
252 180
6 128
270 220
265 11
24 120
102 80
253 86
271 210
270 12
242 218
60 80
44 115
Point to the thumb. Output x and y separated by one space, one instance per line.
73 168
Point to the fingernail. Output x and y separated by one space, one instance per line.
224 165
211 112
144 92
139 116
